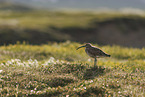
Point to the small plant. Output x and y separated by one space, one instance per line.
32 70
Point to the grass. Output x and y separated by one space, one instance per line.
58 69
37 27
43 19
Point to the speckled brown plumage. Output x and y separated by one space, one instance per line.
94 52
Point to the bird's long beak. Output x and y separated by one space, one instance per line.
80 47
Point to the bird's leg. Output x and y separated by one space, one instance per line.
95 62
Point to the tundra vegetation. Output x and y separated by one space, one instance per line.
58 69
48 65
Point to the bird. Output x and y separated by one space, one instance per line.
94 52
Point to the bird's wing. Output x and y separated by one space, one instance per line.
96 52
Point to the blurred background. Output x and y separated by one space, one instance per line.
105 22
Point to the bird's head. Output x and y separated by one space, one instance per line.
86 45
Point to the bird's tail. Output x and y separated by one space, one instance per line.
107 55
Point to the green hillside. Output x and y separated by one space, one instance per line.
40 27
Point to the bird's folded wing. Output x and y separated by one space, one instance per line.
96 52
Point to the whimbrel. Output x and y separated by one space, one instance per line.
94 52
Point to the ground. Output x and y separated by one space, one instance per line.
60 70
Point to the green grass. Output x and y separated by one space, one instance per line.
37 27
43 19
58 69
